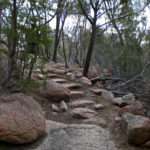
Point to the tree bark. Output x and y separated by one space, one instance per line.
56 39
90 50
58 16
64 50
13 44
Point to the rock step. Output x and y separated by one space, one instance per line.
76 94
37 76
72 85
81 103
58 65
58 71
96 120
96 91
52 75
59 80
83 113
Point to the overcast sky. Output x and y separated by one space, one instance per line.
72 20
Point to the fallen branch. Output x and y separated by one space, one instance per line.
103 79
132 79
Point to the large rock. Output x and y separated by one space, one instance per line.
107 95
71 137
135 108
85 81
21 119
55 91
137 128
125 100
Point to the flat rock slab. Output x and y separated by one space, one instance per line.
58 71
76 94
83 113
52 75
59 80
97 91
97 121
81 103
71 137
72 85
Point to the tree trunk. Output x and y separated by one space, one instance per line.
90 50
64 50
58 17
0 22
13 44
33 61
56 38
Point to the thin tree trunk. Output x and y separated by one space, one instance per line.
90 50
64 50
0 22
56 39
33 61
58 17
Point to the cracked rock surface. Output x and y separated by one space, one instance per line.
71 137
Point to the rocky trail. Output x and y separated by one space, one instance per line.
87 121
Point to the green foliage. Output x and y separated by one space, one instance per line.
3 51
28 85
4 3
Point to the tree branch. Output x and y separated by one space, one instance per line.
85 13
134 78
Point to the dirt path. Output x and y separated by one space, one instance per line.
101 112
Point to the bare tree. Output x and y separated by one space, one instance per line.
61 14
95 8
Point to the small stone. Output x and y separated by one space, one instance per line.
78 74
129 98
71 76
119 102
118 119
99 106
63 106
55 108
40 76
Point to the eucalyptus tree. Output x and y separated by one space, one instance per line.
93 10
35 32
61 14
